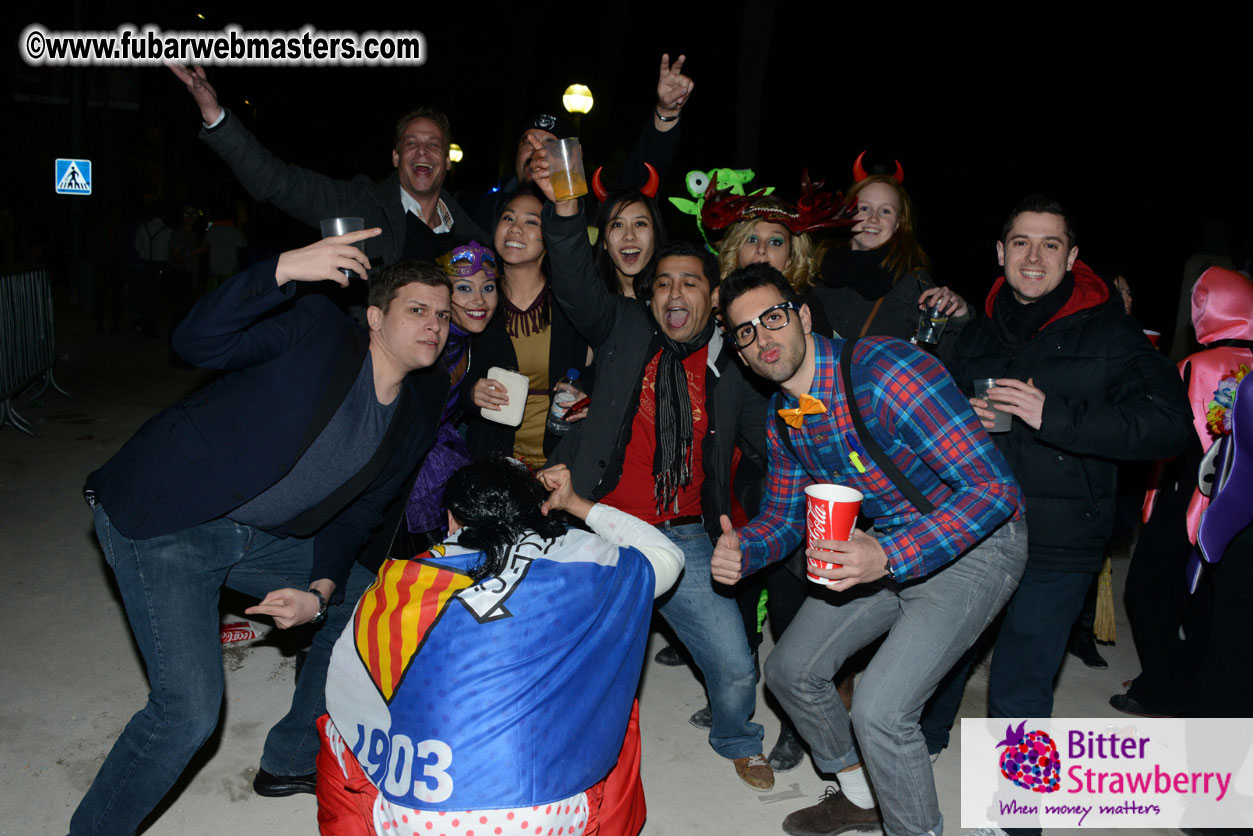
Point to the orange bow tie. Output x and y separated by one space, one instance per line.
808 406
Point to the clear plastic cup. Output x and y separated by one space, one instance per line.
565 160
931 324
1003 420
339 226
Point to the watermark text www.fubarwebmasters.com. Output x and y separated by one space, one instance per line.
149 45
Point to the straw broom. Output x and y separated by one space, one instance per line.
1103 628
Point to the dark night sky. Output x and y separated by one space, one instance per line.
1133 125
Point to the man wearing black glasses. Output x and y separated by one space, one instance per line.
947 548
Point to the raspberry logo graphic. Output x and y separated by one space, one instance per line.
1030 759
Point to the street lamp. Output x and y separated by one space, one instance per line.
578 101
577 98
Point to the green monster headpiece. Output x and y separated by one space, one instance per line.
698 183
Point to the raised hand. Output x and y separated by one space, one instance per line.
323 260
201 90
541 170
673 88
541 174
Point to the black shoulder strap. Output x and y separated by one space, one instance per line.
872 447
867 440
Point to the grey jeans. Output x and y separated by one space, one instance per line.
929 624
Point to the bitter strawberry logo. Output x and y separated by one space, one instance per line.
1030 759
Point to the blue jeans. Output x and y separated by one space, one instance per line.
170 587
1032 642
1029 649
929 624
709 625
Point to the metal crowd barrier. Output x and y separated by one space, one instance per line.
27 345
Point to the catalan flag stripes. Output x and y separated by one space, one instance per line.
388 632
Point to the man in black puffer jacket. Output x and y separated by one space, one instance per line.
1086 389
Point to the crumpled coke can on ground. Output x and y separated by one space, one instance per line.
234 632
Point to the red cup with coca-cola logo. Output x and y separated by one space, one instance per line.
830 514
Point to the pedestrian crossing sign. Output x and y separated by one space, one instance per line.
73 177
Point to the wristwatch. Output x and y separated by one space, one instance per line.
321 616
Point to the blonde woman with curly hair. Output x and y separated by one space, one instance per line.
758 240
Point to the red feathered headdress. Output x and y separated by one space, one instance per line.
815 209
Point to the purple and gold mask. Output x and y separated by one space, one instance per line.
468 259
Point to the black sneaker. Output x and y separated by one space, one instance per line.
1128 704
277 786
833 814
788 752
669 656
703 718
1084 646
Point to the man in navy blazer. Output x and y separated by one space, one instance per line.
266 481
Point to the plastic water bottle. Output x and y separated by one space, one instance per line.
564 394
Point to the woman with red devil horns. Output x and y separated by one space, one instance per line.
630 235
879 281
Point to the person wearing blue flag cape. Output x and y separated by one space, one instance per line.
496 672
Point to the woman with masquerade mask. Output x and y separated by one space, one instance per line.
475 281
473 271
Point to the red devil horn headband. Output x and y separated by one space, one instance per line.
598 188
859 171
649 189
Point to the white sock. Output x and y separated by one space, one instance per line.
856 788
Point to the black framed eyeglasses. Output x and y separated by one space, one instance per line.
772 319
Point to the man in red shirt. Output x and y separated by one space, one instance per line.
670 408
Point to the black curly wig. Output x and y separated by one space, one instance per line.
497 500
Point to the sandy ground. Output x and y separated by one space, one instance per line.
72 677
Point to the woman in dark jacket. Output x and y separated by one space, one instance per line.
529 334
879 282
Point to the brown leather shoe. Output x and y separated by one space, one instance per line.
755 772
831 815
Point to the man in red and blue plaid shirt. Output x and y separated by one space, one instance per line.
931 582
